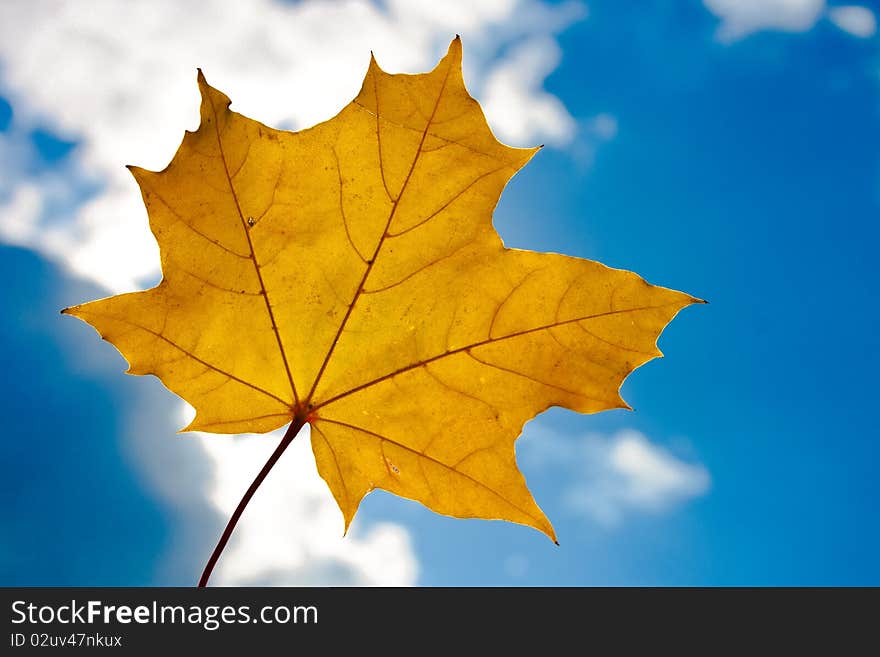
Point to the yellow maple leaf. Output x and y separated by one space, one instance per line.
348 276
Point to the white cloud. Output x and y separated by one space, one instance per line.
119 79
453 15
593 132
23 209
858 21
608 477
653 478
740 18
604 126
515 101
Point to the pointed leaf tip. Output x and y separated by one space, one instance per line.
453 53
374 64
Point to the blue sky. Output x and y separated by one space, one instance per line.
716 148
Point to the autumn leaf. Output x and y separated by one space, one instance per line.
348 276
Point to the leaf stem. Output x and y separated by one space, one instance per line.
289 435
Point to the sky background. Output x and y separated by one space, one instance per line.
727 148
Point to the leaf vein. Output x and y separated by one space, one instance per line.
253 257
474 345
381 241
480 484
193 356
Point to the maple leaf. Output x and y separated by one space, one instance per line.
348 276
